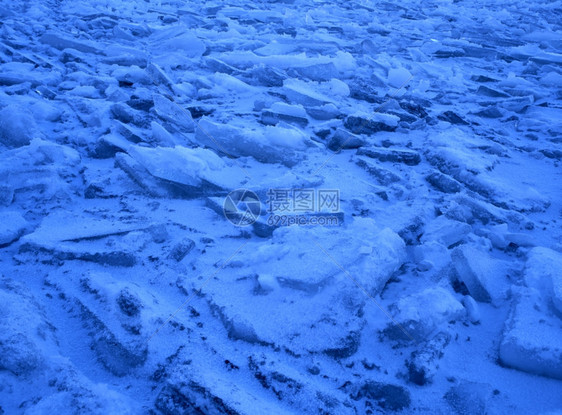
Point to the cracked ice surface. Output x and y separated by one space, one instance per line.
435 284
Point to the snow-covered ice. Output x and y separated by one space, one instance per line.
396 167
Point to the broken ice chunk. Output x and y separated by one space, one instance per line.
293 110
363 123
342 139
41 169
424 362
43 110
12 227
267 145
317 72
398 77
432 257
279 111
532 341
323 113
296 278
489 92
468 209
386 252
85 91
386 257
158 76
268 76
225 84
6 194
141 176
303 93
366 89
181 249
472 309
66 236
124 56
216 65
543 271
406 156
422 313
384 176
173 113
127 114
443 183
186 44
25 332
17 126
268 282
180 164
179 171
490 112
452 118
484 277
445 231
10 79
59 42
129 131
161 136
131 75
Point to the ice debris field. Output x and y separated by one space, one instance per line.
280 207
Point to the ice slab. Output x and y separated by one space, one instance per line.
531 340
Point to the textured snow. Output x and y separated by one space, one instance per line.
125 287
